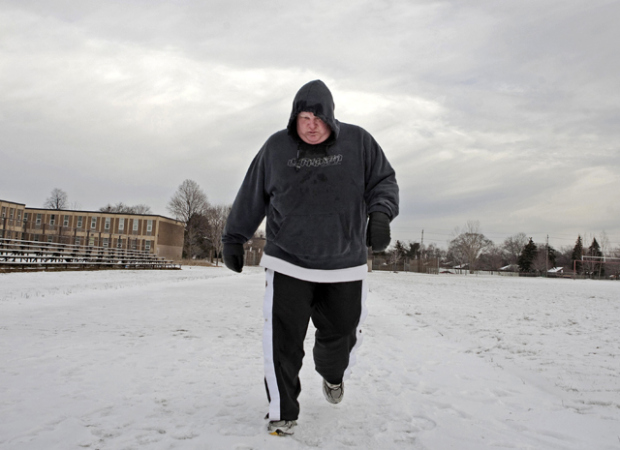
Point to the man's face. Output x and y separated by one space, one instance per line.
311 129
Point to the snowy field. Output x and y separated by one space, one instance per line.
173 360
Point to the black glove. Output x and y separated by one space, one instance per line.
233 256
378 232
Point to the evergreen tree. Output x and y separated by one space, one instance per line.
527 257
413 251
595 250
577 254
399 251
552 256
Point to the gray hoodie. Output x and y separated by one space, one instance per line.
316 198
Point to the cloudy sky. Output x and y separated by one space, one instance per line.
502 112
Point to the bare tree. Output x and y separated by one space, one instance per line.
468 245
397 254
58 199
604 243
614 269
540 264
189 205
141 209
120 207
513 246
254 248
546 259
493 257
216 218
433 252
563 258
456 253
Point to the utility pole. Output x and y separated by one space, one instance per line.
547 258
422 245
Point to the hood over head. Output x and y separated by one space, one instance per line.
316 98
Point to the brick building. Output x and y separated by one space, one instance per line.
159 235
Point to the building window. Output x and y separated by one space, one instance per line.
19 216
119 243
135 224
77 240
65 223
105 242
147 245
107 223
36 238
149 226
121 224
91 242
11 212
134 244
4 211
50 239
93 223
39 219
80 221
53 219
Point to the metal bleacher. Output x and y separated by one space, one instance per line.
31 256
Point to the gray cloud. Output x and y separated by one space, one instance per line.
502 112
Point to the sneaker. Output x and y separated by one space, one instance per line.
281 427
333 392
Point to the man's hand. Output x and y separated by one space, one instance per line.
378 232
233 256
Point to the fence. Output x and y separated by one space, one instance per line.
406 265
611 272
25 256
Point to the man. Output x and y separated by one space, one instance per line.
327 190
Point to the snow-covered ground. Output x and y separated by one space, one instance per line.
173 360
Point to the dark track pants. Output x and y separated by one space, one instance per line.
336 310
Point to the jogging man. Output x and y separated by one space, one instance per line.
327 191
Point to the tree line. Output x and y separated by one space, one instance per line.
471 250
59 200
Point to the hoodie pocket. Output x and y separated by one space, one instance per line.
314 236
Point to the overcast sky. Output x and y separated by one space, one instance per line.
504 112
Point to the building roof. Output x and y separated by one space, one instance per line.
61 211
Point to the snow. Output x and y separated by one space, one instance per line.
173 360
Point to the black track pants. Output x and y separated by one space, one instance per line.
336 310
